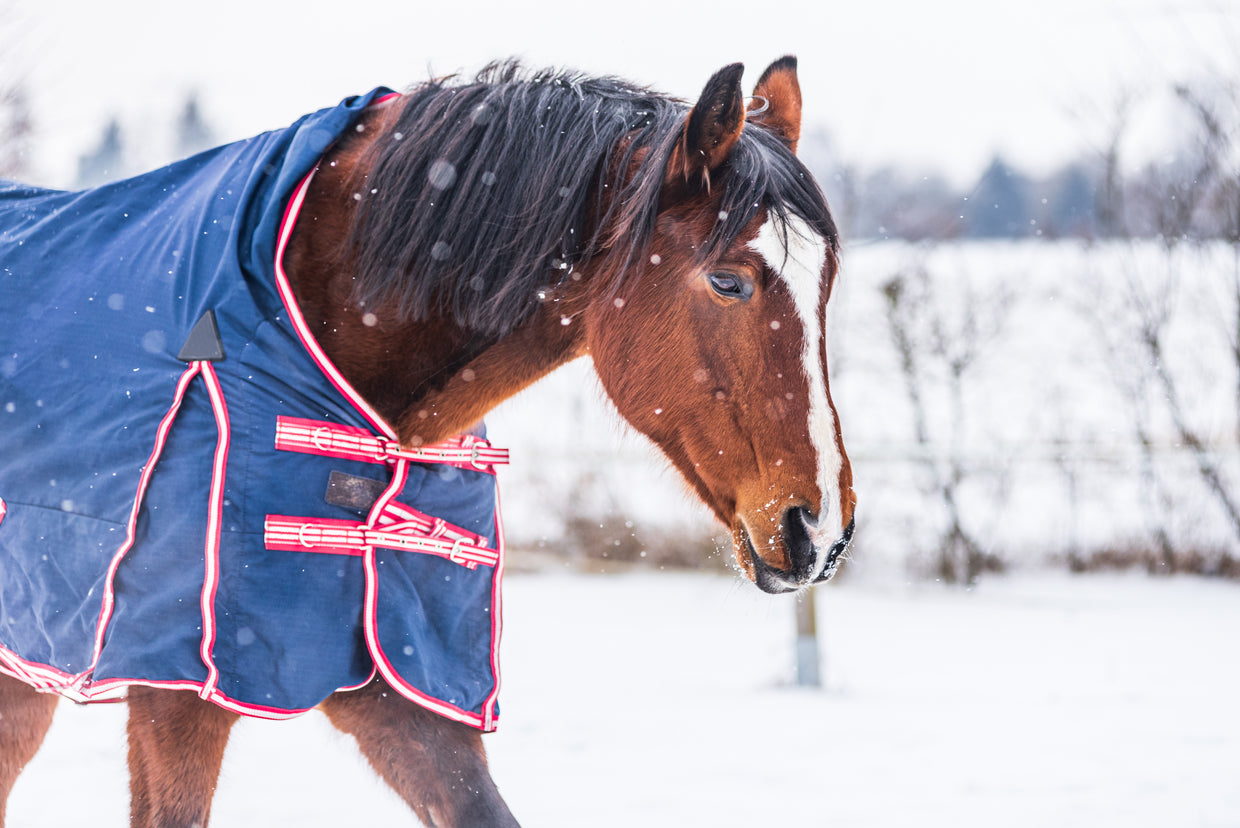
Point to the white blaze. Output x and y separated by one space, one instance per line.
798 258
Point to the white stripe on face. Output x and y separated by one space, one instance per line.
798 258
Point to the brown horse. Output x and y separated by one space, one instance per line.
470 237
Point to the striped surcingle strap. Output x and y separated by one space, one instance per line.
391 524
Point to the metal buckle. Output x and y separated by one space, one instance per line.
454 554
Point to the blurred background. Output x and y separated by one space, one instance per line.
1034 350
1035 343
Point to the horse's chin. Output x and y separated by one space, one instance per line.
776 581
835 555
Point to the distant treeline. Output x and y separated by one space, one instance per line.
1082 199
1191 193
1005 202
115 153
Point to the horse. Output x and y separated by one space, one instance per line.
449 247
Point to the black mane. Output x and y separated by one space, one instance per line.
476 198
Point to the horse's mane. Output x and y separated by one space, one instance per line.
476 199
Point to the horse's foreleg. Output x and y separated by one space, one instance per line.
25 716
437 766
176 746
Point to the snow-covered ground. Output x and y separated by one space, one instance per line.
652 700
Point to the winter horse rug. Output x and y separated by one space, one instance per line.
191 495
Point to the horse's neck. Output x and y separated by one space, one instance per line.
430 379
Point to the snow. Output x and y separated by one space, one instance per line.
661 699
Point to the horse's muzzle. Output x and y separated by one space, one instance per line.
806 565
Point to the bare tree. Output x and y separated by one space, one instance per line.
1192 198
1111 121
1216 114
1120 340
16 119
16 131
1134 334
1152 323
926 338
1172 198
1215 170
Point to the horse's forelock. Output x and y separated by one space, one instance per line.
762 173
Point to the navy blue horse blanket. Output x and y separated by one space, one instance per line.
191 495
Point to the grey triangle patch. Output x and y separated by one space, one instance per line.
203 342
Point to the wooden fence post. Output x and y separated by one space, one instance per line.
808 674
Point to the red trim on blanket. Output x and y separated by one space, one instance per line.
80 686
298 321
38 676
4 509
215 520
489 717
113 690
487 721
49 680
161 437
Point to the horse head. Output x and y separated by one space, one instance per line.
507 226
714 345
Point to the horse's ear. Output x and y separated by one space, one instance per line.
779 87
712 128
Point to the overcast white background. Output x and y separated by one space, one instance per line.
947 83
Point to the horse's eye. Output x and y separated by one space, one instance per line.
730 286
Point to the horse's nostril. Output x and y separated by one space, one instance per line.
801 552
805 515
